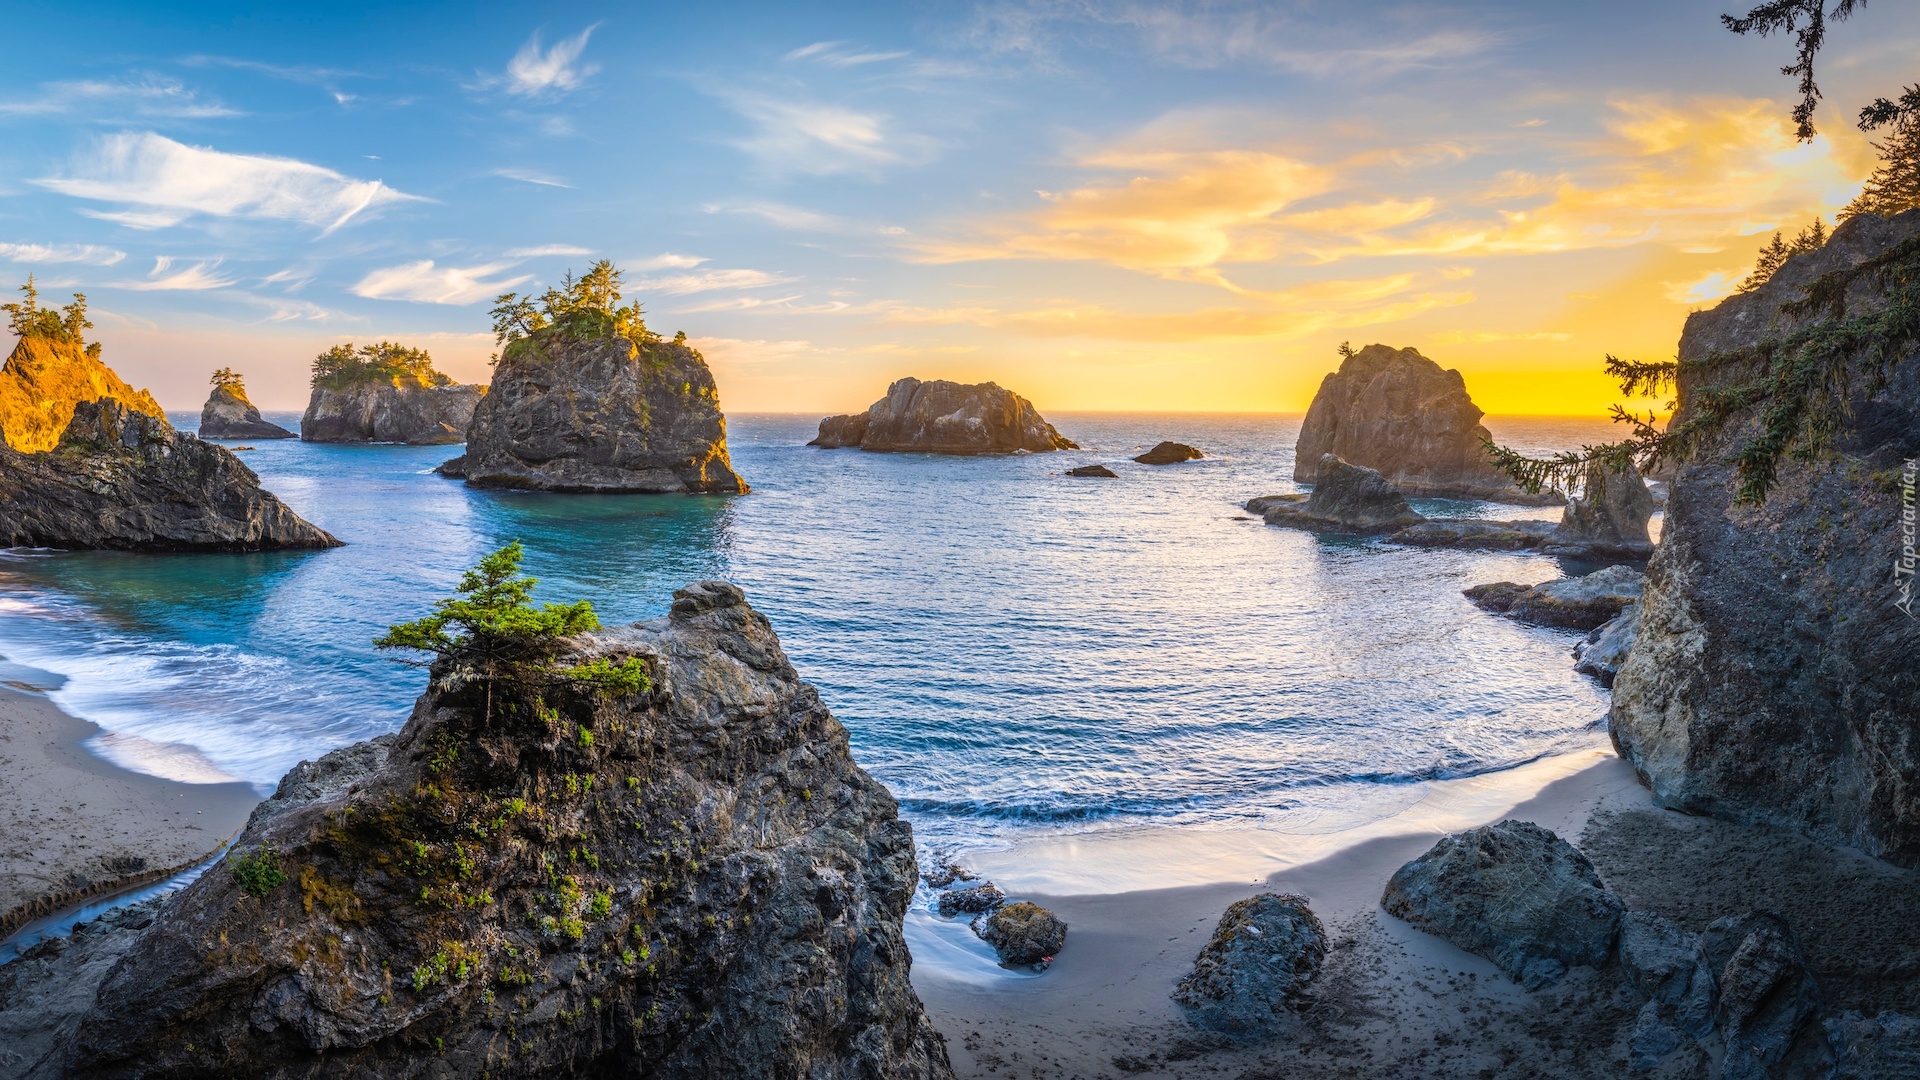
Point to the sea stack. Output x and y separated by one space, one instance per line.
1773 677
229 415
385 393
942 417
1400 413
685 878
45 377
592 406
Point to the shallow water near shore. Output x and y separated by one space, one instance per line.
1015 653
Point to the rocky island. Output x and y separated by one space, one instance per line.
586 399
385 393
942 417
52 369
1401 414
229 415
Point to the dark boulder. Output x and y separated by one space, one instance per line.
1581 603
1345 498
1768 1005
1606 647
1477 534
1666 962
1513 893
1022 933
1169 453
1264 953
604 412
975 900
1100 471
229 415
1400 413
942 417
125 480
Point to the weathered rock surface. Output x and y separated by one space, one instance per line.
45 994
1666 962
1773 679
1513 893
1022 933
1169 453
125 480
1264 953
1580 603
44 379
376 411
692 881
1871 1047
229 415
600 413
1345 498
1768 1004
1478 534
975 900
1606 648
331 774
1400 413
1610 517
1100 471
942 417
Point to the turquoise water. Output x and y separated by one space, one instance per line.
1011 649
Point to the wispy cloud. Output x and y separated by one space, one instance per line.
532 176
711 280
164 183
194 277
795 135
546 250
666 260
423 282
88 254
540 73
152 96
833 54
780 215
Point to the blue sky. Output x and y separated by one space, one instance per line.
1104 205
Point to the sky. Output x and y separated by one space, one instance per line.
1102 205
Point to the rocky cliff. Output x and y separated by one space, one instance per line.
1773 678
1400 413
582 408
693 880
44 379
942 417
229 415
123 479
381 411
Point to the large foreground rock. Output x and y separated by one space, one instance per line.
1514 893
125 480
229 415
1400 413
1774 679
1578 603
692 881
383 412
1264 953
1345 498
44 379
603 413
942 417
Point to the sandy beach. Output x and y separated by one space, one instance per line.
1392 1001
74 826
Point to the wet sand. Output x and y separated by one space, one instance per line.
73 825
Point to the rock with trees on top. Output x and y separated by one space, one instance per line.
385 393
229 415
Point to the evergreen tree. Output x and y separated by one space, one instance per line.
1895 185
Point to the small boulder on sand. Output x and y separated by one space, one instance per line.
1022 933
1263 954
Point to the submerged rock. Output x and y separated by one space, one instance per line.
45 378
1474 533
125 480
1513 893
1022 933
1100 471
229 415
692 880
977 900
1606 648
1169 453
1264 953
1768 1004
1345 498
597 411
385 412
1403 415
1773 679
1581 603
942 417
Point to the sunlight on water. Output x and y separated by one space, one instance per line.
1011 649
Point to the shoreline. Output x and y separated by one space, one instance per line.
78 826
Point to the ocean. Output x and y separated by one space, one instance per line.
1014 652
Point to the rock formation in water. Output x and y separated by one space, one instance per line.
1774 676
1022 934
942 417
1610 517
42 381
1169 453
1403 415
585 408
229 415
126 480
386 393
1345 498
690 880
1578 603
1257 968
1606 647
1096 471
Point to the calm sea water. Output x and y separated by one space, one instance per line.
1011 649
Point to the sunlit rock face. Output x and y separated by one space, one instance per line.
1400 413
403 412
599 413
44 379
229 415
942 417
1774 676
